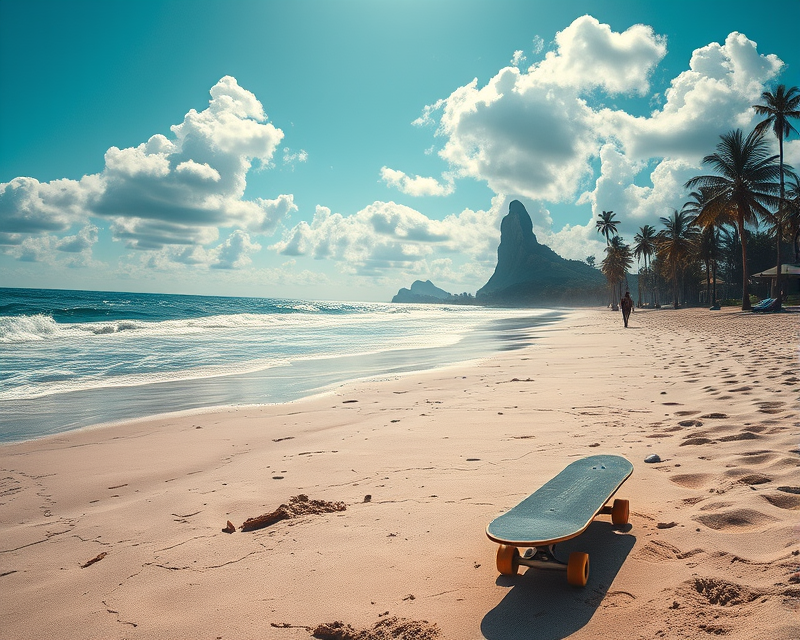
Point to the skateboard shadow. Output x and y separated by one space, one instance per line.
542 605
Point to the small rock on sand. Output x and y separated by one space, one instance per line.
653 457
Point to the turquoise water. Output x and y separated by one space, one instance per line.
72 359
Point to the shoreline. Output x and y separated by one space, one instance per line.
440 453
300 376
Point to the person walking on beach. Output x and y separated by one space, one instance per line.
626 304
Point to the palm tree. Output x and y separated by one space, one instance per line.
676 244
644 246
607 225
744 188
777 108
615 265
709 238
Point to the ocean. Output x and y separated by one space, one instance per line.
72 359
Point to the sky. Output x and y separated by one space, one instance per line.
341 149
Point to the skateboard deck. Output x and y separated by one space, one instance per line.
561 509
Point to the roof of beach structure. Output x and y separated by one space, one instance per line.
790 270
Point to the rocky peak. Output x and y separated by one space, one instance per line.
529 272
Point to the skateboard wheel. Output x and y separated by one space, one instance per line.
507 560
578 569
620 512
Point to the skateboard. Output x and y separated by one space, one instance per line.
561 510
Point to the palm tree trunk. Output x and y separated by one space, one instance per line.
639 289
745 293
714 280
779 230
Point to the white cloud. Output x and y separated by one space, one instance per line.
292 158
235 252
45 248
166 192
84 240
538 45
201 172
29 206
575 242
518 58
519 137
589 54
386 237
791 153
531 133
416 185
712 97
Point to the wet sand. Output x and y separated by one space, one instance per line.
422 463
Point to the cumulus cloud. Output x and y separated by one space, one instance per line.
167 192
575 242
29 206
45 248
416 185
543 134
389 236
713 96
235 252
531 133
519 137
589 54
82 241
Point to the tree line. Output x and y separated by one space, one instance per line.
748 187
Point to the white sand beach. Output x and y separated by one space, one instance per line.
713 545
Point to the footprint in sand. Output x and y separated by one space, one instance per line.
786 501
755 429
746 435
692 480
735 520
754 478
758 457
716 506
793 490
771 407
659 551
696 441
714 416
690 423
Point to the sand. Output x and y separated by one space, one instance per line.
117 532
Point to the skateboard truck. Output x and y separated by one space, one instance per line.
542 558
577 568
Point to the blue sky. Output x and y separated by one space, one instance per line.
343 149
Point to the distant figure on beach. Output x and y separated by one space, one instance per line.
626 304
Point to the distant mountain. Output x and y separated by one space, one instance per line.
529 273
423 292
